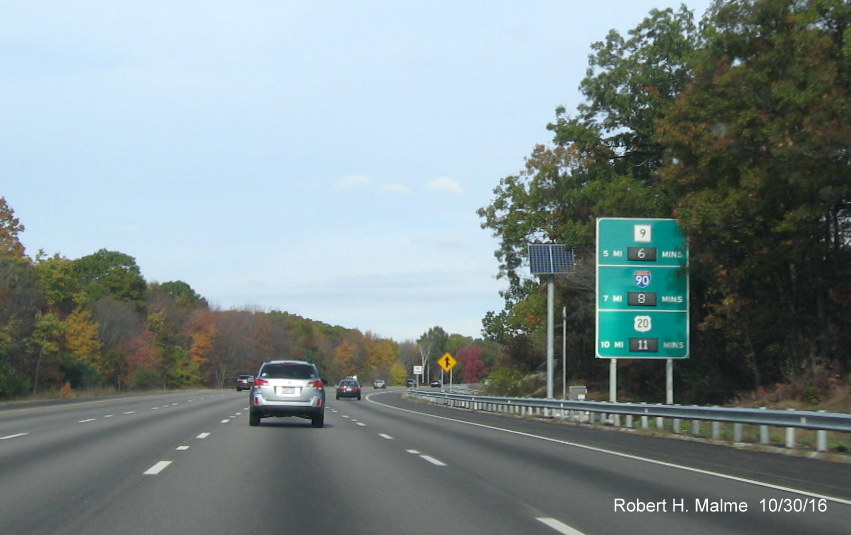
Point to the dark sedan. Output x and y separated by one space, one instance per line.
348 388
244 382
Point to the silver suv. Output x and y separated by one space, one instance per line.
288 388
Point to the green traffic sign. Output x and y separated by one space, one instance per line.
642 289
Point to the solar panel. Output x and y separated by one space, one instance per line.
550 259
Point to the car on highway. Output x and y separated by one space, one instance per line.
288 388
379 383
244 382
412 383
348 388
435 384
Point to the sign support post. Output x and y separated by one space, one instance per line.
551 260
551 293
564 352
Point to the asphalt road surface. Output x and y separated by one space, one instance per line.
189 463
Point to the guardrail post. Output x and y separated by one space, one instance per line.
660 423
695 427
737 432
675 426
629 421
821 439
716 430
763 431
790 436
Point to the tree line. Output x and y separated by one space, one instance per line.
95 322
738 126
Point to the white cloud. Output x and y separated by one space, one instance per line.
353 182
443 185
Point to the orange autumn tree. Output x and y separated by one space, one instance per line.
84 364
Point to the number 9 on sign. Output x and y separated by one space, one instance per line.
643 324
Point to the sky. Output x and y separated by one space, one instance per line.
323 158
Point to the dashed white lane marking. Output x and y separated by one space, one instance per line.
361 424
561 527
182 448
7 437
108 415
428 458
86 420
432 460
203 435
225 421
130 412
157 468
382 435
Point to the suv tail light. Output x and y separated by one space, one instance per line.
260 382
319 385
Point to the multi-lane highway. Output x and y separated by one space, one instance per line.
189 463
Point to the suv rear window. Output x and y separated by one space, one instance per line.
288 371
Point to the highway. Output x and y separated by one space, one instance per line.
188 462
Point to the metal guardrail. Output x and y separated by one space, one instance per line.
609 412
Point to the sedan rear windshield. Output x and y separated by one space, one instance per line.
288 371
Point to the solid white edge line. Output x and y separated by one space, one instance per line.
561 527
728 477
157 468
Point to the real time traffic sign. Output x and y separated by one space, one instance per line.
642 289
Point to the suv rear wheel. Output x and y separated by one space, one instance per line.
253 418
318 421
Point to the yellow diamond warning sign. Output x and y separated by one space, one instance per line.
447 362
